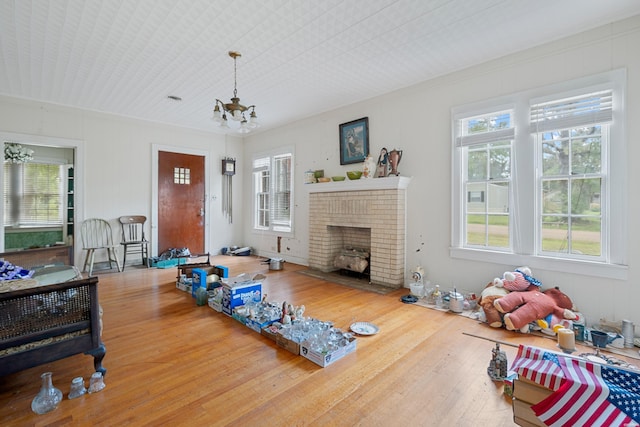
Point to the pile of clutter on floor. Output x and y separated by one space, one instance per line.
517 301
236 250
242 298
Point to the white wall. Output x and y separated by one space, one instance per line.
417 120
117 161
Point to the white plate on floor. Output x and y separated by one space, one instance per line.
364 328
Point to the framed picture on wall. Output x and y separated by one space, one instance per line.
354 141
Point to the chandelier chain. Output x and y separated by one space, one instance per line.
235 77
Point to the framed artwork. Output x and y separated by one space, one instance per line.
354 141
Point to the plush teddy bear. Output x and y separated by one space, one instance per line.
489 294
522 308
518 280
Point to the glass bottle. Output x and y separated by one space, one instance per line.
77 388
201 296
96 382
437 296
48 398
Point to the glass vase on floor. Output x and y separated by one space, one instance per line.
48 398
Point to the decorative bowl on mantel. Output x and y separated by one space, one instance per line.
354 174
337 178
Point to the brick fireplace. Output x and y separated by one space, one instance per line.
357 213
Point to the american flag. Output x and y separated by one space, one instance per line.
586 393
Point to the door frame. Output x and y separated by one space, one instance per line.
155 149
78 168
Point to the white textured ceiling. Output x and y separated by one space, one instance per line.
299 57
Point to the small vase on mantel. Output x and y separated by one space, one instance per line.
369 167
48 398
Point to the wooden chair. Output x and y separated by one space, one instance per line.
96 235
133 239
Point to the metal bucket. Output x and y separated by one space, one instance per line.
274 263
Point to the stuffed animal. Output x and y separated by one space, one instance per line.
518 280
551 323
489 294
522 308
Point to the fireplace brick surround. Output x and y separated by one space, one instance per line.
375 204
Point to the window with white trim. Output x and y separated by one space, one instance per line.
571 138
532 177
272 186
33 194
486 143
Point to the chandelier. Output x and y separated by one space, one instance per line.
235 110
16 153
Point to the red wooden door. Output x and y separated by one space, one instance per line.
181 197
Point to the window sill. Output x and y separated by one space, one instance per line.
596 269
31 228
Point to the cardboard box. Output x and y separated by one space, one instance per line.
199 280
508 383
257 326
270 332
528 391
183 286
201 275
222 271
289 345
523 414
238 294
238 316
186 270
325 360
216 305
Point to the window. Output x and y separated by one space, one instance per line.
33 194
182 176
486 143
272 189
571 139
532 181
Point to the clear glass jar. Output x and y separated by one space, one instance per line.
96 383
48 398
77 388
201 296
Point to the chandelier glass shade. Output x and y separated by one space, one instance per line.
234 109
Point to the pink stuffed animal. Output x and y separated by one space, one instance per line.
517 281
522 308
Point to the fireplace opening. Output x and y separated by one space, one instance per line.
353 262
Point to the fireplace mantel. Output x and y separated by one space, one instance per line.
363 184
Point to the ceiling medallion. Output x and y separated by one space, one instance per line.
235 110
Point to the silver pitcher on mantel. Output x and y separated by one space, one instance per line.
394 159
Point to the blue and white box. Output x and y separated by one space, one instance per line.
199 279
238 294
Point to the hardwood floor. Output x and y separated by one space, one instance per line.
171 362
